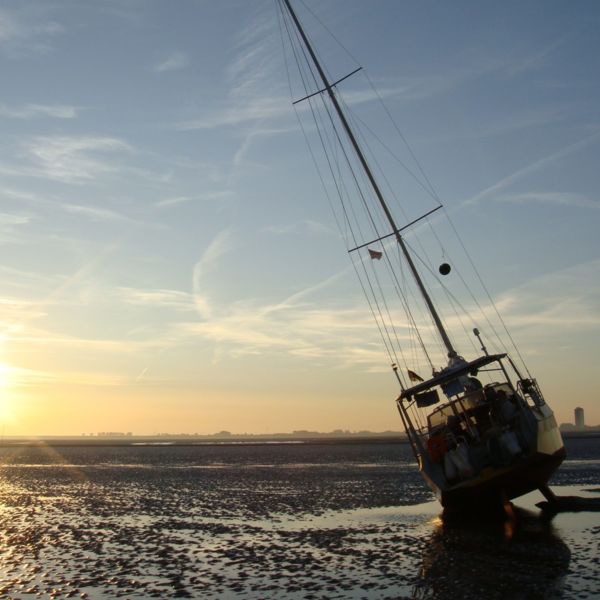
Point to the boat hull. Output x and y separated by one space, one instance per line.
492 487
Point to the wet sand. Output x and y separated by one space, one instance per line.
348 522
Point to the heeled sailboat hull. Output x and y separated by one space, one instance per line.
485 445
480 443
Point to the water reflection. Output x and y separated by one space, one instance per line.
474 558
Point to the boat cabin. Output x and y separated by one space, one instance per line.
478 426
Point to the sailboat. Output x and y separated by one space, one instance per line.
476 442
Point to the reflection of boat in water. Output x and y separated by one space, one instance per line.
472 559
476 442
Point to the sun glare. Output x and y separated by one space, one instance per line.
6 376
8 381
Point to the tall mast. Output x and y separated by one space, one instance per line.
329 88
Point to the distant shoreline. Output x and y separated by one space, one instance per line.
150 441
229 440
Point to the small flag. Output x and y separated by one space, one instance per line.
374 254
413 376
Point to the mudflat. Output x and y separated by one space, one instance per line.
344 520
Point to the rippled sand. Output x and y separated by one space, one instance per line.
272 523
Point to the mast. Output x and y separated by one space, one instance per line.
329 88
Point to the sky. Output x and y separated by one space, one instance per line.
168 260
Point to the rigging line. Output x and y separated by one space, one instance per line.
481 310
333 36
488 296
316 116
390 353
413 330
365 144
463 281
375 188
454 303
370 285
424 186
391 320
413 327
400 230
431 191
327 155
365 192
339 181
373 313
498 344
351 170
283 46
331 120
361 193
342 147
411 318
309 38
391 191
404 301
332 85
379 311
408 146
379 320
307 63
441 347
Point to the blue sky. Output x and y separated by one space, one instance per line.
169 262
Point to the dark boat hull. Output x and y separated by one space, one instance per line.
517 480
492 488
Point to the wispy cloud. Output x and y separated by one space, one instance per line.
204 197
556 198
562 300
535 166
535 59
298 328
74 159
542 312
9 27
95 213
255 109
23 33
253 70
12 225
32 111
251 326
219 246
302 228
174 62
295 325
8 220
89 211
162 298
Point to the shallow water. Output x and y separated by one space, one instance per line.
301 521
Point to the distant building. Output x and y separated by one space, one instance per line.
579 418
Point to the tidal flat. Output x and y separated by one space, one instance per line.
345 520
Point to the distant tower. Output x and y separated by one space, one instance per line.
579 418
